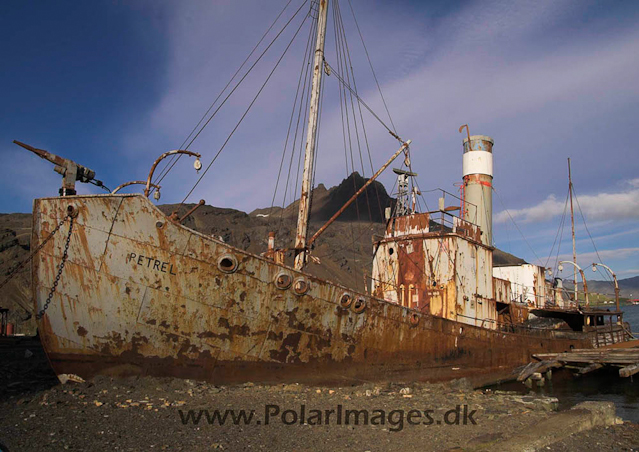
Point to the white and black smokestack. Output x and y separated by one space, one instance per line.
478 183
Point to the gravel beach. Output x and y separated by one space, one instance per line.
131 414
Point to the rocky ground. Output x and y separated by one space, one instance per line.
613 438
38 413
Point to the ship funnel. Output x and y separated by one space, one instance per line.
478 184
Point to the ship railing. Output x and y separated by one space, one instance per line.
450 206
525 295
444 222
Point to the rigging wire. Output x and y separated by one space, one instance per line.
305 61
304 98
583 218
174 157
359 99
561 222
370 159
349 65
236 86
359 104
371 66
344 117
561 234
247 110
304 129
516 226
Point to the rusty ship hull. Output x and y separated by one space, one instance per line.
141 295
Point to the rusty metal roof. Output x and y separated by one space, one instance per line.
504 259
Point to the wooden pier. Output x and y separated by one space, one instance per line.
624 356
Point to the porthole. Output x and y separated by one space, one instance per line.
300 286
283 280
227 263
391 251
359 305
414 319
345 300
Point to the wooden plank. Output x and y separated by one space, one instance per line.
595 357
541 367
530 369
629 370
603 360
589 360
607 351
590 368
546 356
630 356
623 354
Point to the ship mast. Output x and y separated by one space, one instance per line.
572 219
311 139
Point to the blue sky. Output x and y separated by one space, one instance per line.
113 84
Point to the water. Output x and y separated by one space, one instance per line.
602 385
631 315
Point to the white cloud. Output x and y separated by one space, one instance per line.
480 64
630 271
585 259
613 235
601 206
548 208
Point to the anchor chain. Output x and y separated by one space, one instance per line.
21 265
40 314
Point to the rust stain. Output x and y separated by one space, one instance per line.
227 327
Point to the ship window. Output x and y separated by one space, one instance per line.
283 280
227 263
345 300
359 305
391 251
300 286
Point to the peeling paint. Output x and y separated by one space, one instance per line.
112 317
